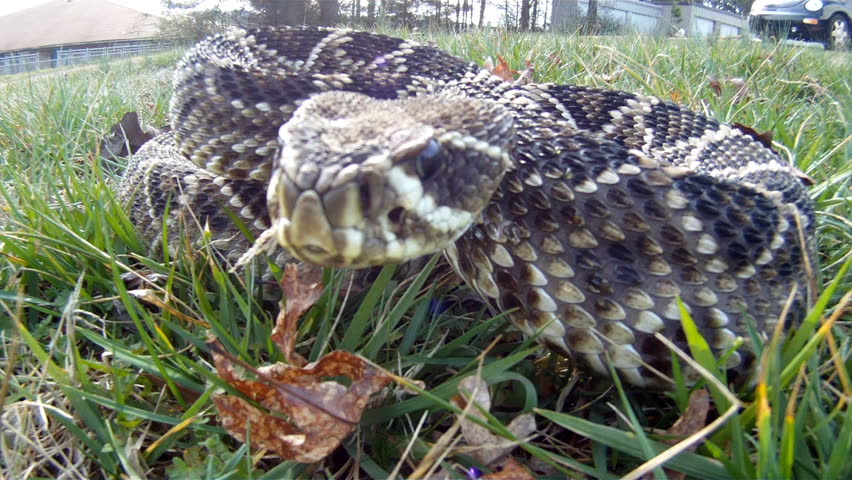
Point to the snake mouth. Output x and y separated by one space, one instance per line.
351 226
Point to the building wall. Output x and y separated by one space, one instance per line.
700 21
662 18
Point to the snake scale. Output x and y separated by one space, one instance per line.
583 213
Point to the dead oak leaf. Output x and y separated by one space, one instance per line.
737 83
503 70
490 447
764 138
301 289
512 470
525 76
694 418
126 137
307 411
714 84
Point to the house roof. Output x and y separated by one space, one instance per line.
68 22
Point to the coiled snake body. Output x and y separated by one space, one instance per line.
583 213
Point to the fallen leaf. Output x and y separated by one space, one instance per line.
738 83
741 86
694 418
300 288
764 138
126 133
308 412
675 96
503 70
612 77
490 446
715 84
512 470
803 177
525 76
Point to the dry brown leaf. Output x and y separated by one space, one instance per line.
764 138
307 413
512 470
692 420
715 84
300 289
490 446
126 133
737 83
525 76
503 70
741 86
675 96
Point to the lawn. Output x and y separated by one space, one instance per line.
97 382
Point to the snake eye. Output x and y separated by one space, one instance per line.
428 161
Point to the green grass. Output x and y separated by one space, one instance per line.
97 385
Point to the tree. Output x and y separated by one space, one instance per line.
281 12
183 20
467 14
563 14
481 12
329 12
525 16
592 17
734 6
534 16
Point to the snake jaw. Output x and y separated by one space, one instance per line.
409 190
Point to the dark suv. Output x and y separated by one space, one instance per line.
825 21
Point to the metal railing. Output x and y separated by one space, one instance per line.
62 57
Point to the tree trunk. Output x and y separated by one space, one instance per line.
290 12
592 17
562 12
534 16
406 15
481 13
329 11
464 13
371 12
458 11
525 16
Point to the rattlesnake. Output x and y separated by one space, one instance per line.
583 213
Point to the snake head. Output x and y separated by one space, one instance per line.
360 181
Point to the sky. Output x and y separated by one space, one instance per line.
9 6
153 6
150 6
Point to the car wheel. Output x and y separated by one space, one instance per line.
839 33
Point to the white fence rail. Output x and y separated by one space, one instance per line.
62 57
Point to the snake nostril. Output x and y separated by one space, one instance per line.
316 250
396 215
